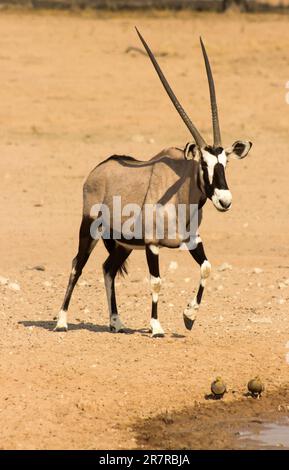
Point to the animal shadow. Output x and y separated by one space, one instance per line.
95 328
211 396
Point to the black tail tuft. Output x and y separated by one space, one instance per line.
110 245
122 270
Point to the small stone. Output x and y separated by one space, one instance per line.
167 418
260 319
224 267
187 279
47 283
38 267
282 285
257 270
138 138
173 266
13 286
287 282
220 287
3 281
280 301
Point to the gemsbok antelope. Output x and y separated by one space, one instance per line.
174 177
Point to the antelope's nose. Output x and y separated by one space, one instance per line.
224 197
225 204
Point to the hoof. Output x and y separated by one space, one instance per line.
157 331
158 335
60 328
61 321
113 329
116 325
188 322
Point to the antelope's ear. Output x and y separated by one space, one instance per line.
191 151
239 149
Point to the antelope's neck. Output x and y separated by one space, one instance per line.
201 185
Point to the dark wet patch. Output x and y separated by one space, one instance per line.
245 423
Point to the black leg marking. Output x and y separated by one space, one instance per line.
111 266
190 312
86 245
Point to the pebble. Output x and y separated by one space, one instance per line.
173 266
138 138
38 267
257 270
282 285
3 281
224 267
167 418
13 286
187 279
47 283
260 319
220 287
281 301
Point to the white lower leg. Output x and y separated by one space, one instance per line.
115 323
62 321
192 308
155 324
156 328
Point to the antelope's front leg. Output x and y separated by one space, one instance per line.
152 254
190 312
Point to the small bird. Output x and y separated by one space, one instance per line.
256 387
218 388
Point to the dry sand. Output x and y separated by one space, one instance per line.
70 96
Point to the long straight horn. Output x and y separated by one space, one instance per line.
214 107
195 133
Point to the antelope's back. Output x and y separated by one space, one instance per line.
118 176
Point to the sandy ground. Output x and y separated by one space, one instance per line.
70 96
243 424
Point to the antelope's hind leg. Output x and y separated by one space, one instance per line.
86 245
205 267
152 254
114 263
